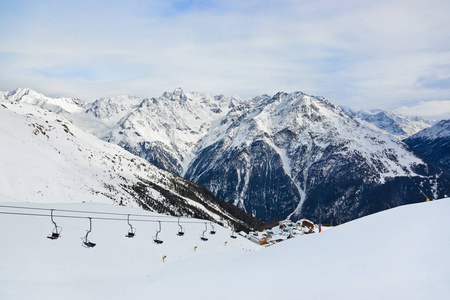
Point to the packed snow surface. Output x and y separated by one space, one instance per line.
401 253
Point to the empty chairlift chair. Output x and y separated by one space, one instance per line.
155 238
202 237
212 229
132 230
86 243
181 230
233 235
56 233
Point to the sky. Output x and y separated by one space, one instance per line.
362 54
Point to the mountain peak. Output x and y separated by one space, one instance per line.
59 104
19 93
178 90
177 95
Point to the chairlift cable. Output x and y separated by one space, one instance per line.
84 211
90 213
96 218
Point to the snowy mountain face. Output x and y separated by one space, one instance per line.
273 156
282 156
113 109
45 158
390 122
57 105
166 130
433 143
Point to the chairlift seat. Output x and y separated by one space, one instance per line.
89 244
56 231
132 230
159 242
204 239
233 236
181 230
54 236
212 232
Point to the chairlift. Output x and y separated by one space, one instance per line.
86 243
212 230
203 238
181 230
155 238
132 230
56 233
233 235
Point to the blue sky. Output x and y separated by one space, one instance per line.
363 54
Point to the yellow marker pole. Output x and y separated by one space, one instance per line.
428 200
195 249
226 243
164 257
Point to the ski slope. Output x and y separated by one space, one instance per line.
402 253
45 158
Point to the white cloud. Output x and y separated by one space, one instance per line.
433 110
363 54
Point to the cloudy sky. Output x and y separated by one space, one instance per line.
363 54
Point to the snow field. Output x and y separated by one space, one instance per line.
401 253
33 263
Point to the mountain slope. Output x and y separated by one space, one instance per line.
166 130
292 152
433 143
45 158
401 253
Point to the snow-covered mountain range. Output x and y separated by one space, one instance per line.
46 158
390 122
273 156
433 143
284 155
